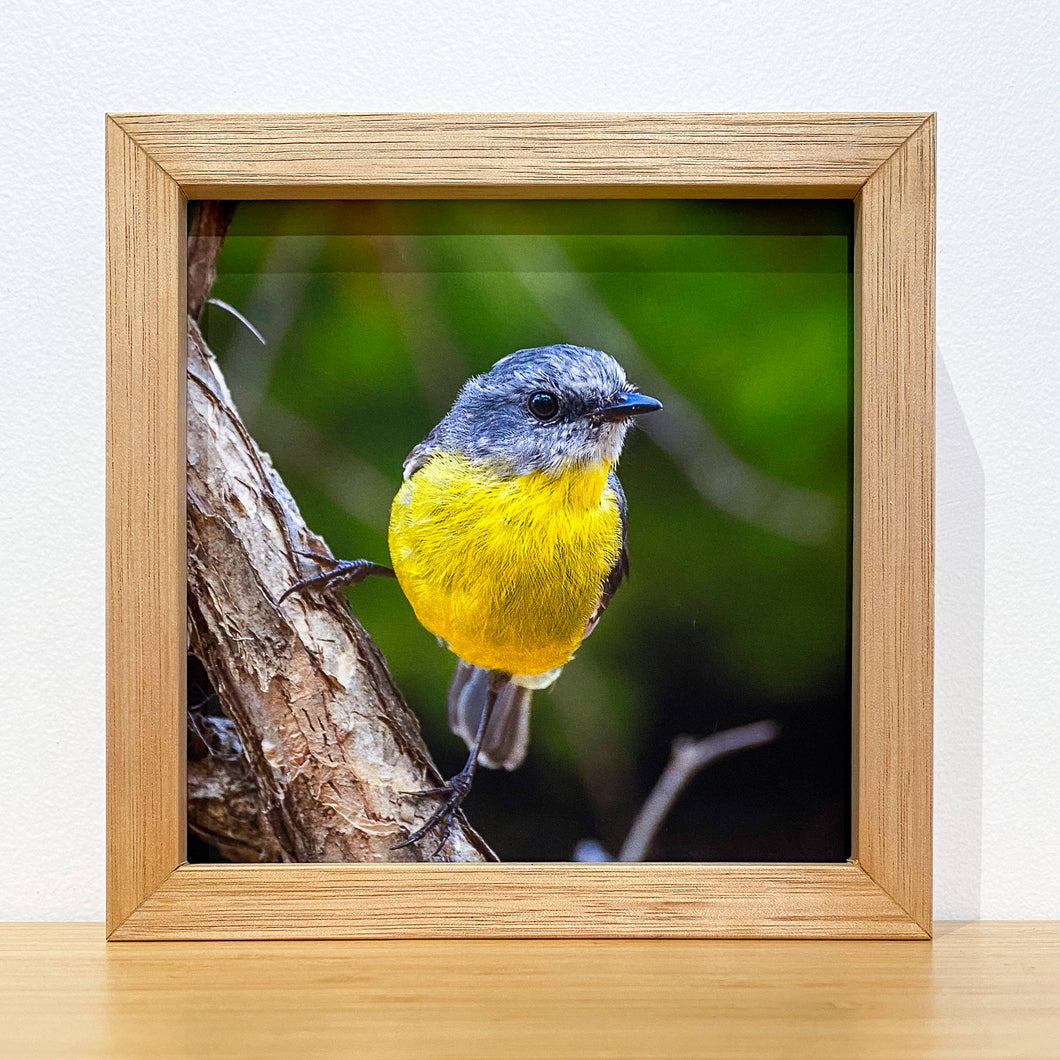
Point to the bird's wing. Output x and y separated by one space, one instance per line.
421 454
621 568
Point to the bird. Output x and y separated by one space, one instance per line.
508 537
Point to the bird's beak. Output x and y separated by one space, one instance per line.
629 405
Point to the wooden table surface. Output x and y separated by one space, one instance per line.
978 990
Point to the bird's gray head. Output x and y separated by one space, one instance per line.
545 409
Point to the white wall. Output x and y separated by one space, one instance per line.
989 69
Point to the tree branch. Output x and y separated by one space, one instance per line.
687 757
328 748
206 233
225 808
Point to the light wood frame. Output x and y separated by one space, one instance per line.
885 163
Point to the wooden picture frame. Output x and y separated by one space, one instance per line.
156 163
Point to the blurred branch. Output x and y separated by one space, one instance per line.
269 310
688 757
206 233
434 353
359 488
712 468
329 746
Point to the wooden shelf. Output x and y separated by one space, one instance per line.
978 990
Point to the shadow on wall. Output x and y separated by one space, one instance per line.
959 610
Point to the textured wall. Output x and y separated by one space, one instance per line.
989 70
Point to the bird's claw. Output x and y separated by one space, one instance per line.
339 572
454 791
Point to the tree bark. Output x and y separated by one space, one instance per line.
324 749
225 808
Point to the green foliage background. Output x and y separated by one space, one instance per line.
738 605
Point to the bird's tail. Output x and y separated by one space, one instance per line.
506 737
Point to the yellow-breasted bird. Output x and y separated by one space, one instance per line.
508 537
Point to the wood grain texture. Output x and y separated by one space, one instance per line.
442 155
981 991
887 161
145 525
895 529
519 901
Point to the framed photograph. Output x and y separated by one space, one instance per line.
369 381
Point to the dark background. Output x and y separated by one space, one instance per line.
739 316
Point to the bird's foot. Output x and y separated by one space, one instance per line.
452 792
336 572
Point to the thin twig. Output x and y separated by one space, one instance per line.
687 757
239 316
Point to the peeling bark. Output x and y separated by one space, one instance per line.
225 808
328 748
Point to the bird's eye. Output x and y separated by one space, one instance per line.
543 405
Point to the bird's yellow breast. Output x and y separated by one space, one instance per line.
506 570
